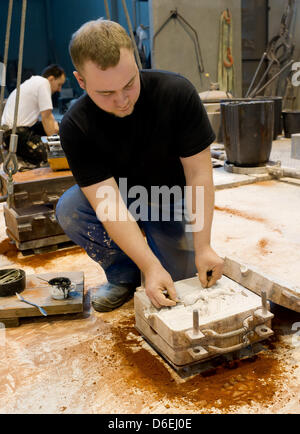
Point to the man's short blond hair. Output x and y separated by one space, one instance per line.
99 41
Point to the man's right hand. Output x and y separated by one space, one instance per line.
158 282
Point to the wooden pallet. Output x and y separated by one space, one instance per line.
11 309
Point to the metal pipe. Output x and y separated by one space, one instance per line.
274 77
21 48
107 9
6 47
262 79
256 73
134 14
264 302
195 321
138 60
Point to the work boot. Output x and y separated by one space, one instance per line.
110 296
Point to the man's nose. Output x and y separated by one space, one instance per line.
121 99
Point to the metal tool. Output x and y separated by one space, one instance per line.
174 14
43 312
10 164
279 53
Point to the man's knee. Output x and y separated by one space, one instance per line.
67 208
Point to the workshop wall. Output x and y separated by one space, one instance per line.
50 24
35 48
174 48
68 16
49 27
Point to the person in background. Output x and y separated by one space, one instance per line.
35 101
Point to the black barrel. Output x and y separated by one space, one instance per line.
248 127
277 113
291 122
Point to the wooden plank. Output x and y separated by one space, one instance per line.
249 277
39 293
9 322
43 173
38 243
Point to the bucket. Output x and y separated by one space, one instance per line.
277 113
248 126
291 122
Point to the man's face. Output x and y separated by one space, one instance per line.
115 90
56 83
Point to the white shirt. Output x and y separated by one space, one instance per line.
35 97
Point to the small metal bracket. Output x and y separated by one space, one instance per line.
197 353
263 331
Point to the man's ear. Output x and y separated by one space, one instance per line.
79 79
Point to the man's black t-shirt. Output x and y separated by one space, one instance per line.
168 122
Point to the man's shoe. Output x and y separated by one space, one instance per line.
109 297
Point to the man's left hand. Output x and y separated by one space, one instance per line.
209 266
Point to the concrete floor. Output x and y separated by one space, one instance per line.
98 363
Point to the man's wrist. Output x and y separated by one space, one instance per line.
202 248
150 264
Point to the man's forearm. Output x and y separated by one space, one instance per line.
50 125
128 236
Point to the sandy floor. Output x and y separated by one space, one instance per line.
98 363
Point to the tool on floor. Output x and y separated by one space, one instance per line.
43 312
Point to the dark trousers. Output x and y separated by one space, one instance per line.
30 146
168 240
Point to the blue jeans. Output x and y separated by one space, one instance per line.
167 239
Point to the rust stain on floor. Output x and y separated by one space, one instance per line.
243 382
245 215
44 260
262 246
240 214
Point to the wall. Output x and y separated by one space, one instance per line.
35 48
50 25
68 16
174 49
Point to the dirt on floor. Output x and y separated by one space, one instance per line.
98 363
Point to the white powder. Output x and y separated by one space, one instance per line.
226 297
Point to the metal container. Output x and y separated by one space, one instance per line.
17 285
291 122
248 127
